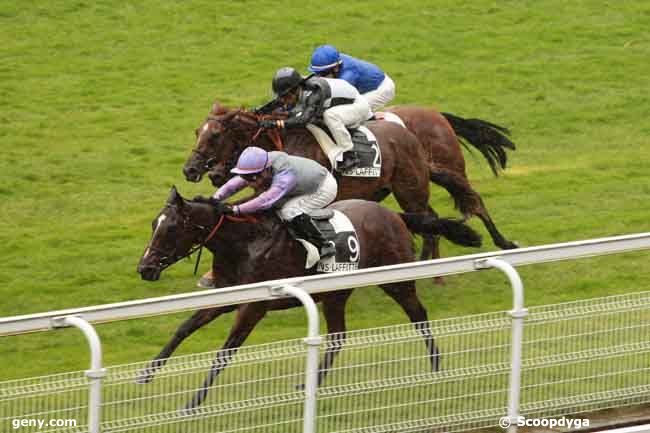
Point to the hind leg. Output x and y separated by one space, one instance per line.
469 202
334 311
405 295
496 235
412 194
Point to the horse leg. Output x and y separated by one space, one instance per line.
469 202
248 316
404 293
412 194
497 237
334 311
196 321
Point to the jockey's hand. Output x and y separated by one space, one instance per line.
271 124
225 209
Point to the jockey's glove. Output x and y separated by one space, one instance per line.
227 209
220 208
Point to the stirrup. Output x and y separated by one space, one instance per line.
350 160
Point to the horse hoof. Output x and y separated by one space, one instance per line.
439 281
300 387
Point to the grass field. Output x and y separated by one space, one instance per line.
99 101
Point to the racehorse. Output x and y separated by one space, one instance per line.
247 251
404 172
441 135
226 132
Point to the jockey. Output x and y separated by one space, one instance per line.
373 83
308 100
293 186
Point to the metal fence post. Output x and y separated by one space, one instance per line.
313 341
518 313
96 372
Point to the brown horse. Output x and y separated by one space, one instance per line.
226 132
247 252
439 135
404 171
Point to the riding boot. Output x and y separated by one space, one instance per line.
304 227
350 160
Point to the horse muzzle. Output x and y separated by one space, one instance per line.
149 272
192 174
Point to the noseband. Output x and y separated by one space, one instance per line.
169 258
273 134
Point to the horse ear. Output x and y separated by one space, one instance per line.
217 108
175 197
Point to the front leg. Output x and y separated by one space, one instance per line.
196 321
248 316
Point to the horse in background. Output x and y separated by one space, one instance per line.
404 172
226 132
441 135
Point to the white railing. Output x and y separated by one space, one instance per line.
326 283
577 357
503 260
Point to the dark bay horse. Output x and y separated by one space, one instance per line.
253 251
226 132
404 171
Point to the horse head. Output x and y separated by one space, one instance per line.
178 230
219 141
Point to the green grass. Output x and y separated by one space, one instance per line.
99 101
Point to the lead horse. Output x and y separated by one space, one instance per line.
226 132
253 250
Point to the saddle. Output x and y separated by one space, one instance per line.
364 160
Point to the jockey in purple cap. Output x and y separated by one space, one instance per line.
293 186
373 83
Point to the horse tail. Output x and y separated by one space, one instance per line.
490 139
453 230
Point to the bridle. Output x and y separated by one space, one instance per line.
167 259
252 119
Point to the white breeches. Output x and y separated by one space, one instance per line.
382 95
339 117
324 195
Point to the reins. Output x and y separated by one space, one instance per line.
249 219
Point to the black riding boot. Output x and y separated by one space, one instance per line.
305 228
350 160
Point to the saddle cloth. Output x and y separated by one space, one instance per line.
337 228
365 146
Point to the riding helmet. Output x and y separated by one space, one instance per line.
252 160
324 58
285 80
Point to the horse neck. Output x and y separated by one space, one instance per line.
298 142
243 249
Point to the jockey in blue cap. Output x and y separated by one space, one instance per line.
291 185
369 79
